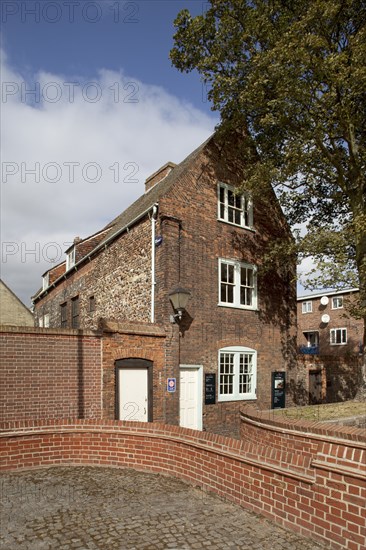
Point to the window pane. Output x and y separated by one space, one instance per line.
63 315
227 283
245 373
231 273
247 285
226 373
234 208
230 294
75 312
243 296
223 297
238 203
246 212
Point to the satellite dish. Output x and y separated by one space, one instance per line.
325 318
324 300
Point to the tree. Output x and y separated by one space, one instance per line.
292 75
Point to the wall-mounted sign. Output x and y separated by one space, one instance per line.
210 388
171 385
278 390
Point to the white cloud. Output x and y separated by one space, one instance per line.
133 127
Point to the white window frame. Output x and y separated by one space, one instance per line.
45 281
246 208
335 300
237 284
70 259
307 307
333 336
237 351
44 321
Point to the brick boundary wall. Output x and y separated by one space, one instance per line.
309 479
49 373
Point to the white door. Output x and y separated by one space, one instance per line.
133 394
190 402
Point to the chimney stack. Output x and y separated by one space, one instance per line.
159 175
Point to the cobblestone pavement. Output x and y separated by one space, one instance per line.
105 509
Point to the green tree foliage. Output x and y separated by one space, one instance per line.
292 75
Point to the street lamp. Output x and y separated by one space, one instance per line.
179 298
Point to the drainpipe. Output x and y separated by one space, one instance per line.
153 282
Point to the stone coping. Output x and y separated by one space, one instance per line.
348 435
49 331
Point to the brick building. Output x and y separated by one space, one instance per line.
189 230
330 342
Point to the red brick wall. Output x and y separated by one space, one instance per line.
319 490
135 340
49 374
193 241
331 505
55 373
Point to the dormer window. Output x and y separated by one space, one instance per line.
70 259
233 207
45 281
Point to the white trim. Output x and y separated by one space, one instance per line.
46 281
330 293
236 304
307 310
336 298
334 330
245 200
153 282
199 368
70 258
236 396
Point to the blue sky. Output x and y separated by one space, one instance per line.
91 106
81 37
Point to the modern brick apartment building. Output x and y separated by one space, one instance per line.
330 342
192 231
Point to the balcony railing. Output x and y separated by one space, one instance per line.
312 350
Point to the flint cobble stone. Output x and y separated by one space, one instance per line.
88 508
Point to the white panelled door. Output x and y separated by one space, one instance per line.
191 397
133 394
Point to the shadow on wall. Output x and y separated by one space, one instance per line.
342 379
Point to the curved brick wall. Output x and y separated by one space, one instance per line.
308 482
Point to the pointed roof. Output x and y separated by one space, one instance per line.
152 196
136 210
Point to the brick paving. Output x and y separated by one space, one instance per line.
82 508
